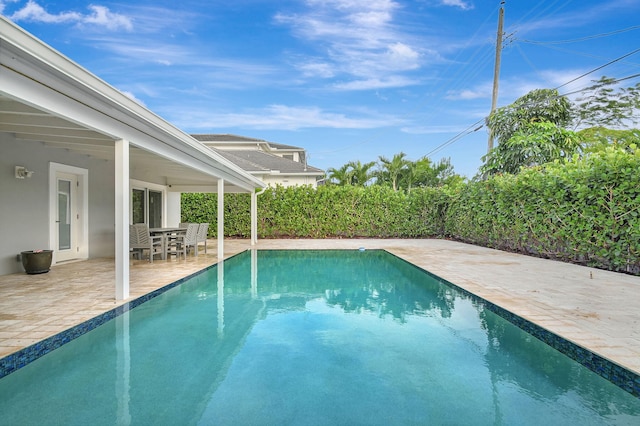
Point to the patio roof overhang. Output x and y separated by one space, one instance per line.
48 98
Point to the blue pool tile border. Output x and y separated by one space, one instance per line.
616 374
21 358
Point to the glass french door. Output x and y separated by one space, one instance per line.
67 216
146 207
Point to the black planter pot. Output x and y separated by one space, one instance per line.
36 262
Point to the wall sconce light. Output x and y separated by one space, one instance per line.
22 172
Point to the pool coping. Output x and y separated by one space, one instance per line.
625 379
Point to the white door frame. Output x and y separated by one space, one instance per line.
81 222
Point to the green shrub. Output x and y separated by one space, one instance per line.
582 210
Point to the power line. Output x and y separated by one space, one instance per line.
599 68
577 40
457 137
574 52
614 81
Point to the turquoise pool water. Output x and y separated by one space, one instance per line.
310 338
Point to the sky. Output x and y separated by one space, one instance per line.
348 80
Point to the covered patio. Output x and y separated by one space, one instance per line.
83 148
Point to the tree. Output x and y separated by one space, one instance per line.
361 174
353 173
399 173
391 170
539 105
341 176
530 131
420 173
596 139
532 145
424 173
605 105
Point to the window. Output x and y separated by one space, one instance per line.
147 207
137 206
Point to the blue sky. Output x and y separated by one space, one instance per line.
345 79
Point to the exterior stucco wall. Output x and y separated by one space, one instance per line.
24 209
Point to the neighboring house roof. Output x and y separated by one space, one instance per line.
221 139
225 138
264 162
285 147
258 159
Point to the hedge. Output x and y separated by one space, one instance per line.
584 211
325 212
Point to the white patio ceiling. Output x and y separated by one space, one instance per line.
30 124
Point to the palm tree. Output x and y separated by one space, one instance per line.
342 176
361 174
391 169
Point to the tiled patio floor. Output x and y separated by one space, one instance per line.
596 309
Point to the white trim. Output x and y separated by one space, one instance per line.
82 239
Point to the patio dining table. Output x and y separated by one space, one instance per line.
167 234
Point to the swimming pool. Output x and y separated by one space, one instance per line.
311 337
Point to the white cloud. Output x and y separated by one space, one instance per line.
34 12
479 91
137 51
427 130
316 69
357 38
375 83
100 16
282 117
132 97
403 56
458 3
3 4
468 94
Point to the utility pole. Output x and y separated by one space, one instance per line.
496 69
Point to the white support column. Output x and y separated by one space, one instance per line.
254 218
220 219
122 218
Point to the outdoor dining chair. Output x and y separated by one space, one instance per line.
203 229
140 240
180 243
